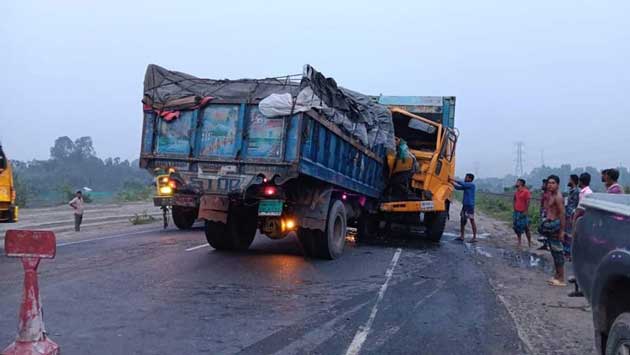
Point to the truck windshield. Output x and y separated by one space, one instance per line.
417 139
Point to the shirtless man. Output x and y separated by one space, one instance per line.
553 228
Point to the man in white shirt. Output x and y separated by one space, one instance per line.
77 205
585 189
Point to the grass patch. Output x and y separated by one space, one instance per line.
500 206
142 218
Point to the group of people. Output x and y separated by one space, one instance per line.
557 215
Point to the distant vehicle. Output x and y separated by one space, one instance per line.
313 171
601 259
8 208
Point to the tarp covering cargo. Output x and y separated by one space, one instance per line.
367 121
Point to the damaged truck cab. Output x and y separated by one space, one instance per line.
426 125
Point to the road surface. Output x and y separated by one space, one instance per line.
167 292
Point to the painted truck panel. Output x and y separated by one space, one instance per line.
222 147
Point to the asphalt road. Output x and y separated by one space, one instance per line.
165 292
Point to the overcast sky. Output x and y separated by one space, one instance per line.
553 74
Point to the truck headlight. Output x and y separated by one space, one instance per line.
166 190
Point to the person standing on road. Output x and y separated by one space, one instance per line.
468 205
520 218
543 212
77 205
553 228
585 189
609 178
572 203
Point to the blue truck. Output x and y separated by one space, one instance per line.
282 156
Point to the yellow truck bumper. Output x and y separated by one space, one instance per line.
412 206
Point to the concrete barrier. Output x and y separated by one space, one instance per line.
31 247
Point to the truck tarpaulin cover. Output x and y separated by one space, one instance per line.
356 114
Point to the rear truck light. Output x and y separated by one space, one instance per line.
288 224
270 190
172 184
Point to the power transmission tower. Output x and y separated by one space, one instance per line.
519 169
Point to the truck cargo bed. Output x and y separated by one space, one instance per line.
223 146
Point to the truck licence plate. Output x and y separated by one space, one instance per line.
270 207
427 205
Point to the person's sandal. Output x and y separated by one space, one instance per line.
554 282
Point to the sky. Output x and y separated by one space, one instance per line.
552 74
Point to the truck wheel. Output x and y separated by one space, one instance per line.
237 234
330 243
619 337
435 222
184 217
12 215
367 228
307 240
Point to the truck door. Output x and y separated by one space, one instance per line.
445 165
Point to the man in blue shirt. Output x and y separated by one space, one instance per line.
468 205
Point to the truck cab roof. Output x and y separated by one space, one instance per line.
440 109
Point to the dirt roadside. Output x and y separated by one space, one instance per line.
547 320
98 219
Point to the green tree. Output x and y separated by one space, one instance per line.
63 148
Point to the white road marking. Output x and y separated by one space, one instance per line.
521 333
307 343
362 333
198 247
108 237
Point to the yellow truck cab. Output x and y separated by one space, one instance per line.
426 125
8 209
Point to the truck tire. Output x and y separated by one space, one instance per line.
367 228
619 337
329 244
435 223
184 217
307 240
237 234
11 214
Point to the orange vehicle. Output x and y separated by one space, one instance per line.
8 209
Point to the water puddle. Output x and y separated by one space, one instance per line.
514 258
467 236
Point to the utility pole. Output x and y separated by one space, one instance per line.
519 169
